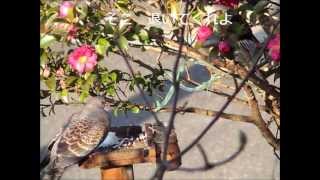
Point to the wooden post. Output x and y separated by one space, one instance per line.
118 173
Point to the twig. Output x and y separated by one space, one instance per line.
139 62
274 150
138 85
211 113
208 166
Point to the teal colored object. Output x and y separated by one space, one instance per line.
181 69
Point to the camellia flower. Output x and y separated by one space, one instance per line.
228 3
66 10
83 59
274 48
224 47
204 33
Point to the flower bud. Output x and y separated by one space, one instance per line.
66 10
224 47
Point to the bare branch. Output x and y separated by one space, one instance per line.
259 122
138 85
210 165
211 113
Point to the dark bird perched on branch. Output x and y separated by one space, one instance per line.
239 22
247 42
81 135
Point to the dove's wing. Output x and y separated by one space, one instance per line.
46 159
79 138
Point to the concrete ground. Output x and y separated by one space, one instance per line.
255 162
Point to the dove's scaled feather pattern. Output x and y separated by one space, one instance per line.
82 134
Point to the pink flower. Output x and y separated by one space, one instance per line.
66 10
229 3
274 48
83 59
204 33
72 32
224 47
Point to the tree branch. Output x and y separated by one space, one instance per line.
210 165
259 122
211 113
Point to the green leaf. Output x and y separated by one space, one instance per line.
259 7
105 79
51 83
237 28
87 75
115 111
89 82
46 40
70 80
253 18
124 2
214 52
155 32
135 109
64 95
123 43
113 76
143 34
102 46
133 37
111 91
245 7
140 80
64 92
43 59
108 28
83 96
103 42
131 85
82 9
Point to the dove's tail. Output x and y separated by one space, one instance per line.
52 175
51 172
57 174
44 162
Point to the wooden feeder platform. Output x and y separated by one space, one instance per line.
118 163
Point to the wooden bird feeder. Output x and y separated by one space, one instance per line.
118 164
